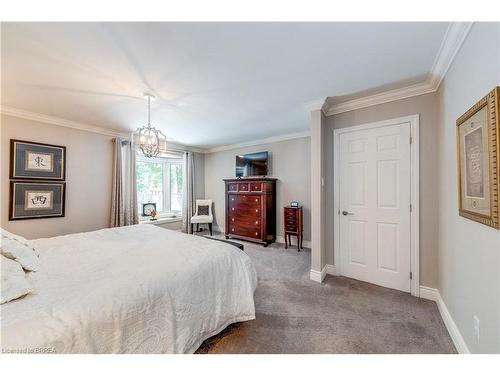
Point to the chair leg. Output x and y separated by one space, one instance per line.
210 228
192 231
197 227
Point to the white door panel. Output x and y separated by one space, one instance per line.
374 170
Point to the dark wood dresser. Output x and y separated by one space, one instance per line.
293 221
251 209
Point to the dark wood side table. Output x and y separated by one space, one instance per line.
294 225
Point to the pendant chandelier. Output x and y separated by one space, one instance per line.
149 136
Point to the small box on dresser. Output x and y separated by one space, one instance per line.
251 209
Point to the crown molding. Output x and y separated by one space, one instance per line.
452 42
316 105
259 142
381 98
52 120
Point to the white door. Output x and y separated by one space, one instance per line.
375 195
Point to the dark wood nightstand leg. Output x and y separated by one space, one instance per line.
286 242
301 240
210 227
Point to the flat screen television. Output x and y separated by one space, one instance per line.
252 164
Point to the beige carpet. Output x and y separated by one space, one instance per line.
341 315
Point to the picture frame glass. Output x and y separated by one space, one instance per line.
475 171
33 200
37 161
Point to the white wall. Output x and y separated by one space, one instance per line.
469 252
290 163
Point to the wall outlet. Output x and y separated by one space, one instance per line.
476 324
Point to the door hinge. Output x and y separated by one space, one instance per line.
411 208
411 275
411 139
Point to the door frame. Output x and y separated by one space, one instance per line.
414 122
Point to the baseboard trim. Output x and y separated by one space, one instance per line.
429 293
331 270
318 276
457 338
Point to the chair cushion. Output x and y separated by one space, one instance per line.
202 210
201 219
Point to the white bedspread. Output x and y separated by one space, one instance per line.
137 289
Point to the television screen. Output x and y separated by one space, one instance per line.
252 164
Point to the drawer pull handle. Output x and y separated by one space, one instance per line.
232 229
256 200
232 208
232 219
256 222
232 199
255 210
256 233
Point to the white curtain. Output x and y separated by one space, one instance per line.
188 195
123 194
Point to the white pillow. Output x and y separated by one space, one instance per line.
14 282
20 251
13 236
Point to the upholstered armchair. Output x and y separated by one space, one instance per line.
203 214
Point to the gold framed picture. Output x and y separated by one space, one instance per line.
477 156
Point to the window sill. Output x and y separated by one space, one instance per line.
161 220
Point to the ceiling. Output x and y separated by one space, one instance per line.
216 83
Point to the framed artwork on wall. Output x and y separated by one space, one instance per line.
40 161
36 199
477 156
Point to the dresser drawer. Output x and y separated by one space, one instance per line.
291 228
244 202
232 187
241 230
243 186
241 220
256 186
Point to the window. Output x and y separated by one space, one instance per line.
159 180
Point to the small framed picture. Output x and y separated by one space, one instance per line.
36 200
148 208
31 160
477 156
294 204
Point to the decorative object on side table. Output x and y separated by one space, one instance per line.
148 208
294 204
36 199
153 215
293 225
477 156
31 160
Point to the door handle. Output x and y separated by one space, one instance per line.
345 213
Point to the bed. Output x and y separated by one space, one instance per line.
136 289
